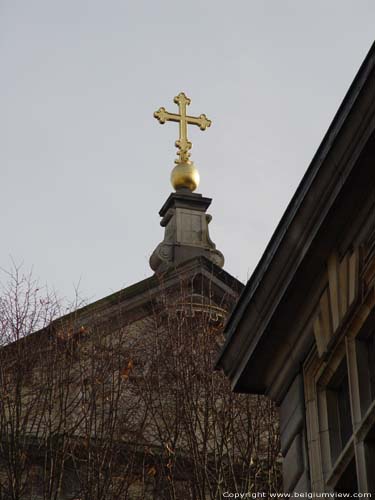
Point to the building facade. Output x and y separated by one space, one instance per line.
303 330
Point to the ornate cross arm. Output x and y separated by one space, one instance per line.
202 121
162 115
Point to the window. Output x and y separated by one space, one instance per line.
340 406
339 377
338 410
365 353
330 431
348 481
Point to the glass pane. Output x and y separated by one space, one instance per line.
345 419
365 349
371 364
339 412
348 480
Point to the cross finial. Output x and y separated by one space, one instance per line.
182 144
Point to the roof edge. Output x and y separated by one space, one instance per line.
324 148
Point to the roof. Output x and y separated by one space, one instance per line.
299 226
143 290
133 301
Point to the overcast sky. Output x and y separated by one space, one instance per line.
84 165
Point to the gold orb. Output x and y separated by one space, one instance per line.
185 175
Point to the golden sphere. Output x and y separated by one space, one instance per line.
185 175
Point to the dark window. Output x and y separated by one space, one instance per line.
348 480
370 458
365 348
371 363
339 412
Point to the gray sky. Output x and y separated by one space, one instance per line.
84 165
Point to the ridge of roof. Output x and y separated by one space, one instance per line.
153 281
140 288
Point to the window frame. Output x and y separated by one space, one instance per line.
326 469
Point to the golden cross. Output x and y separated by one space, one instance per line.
183 144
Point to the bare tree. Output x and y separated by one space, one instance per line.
96 408
210 439
34 387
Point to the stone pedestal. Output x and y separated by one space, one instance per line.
186 232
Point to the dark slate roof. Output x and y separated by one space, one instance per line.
295 232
